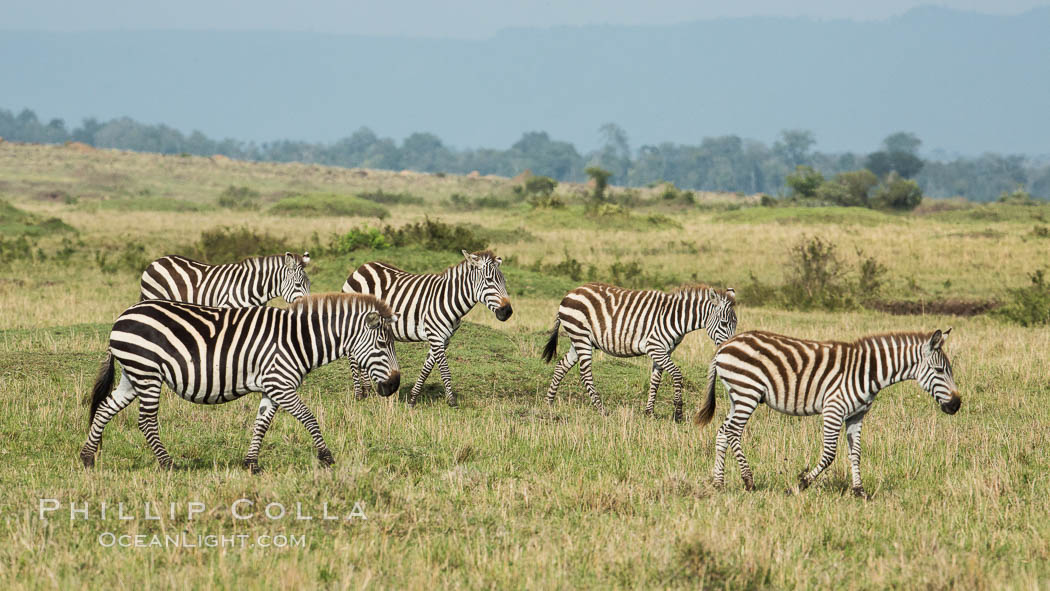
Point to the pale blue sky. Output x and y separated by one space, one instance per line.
438 18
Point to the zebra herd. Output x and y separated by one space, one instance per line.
207 333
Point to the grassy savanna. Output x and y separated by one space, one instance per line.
505 492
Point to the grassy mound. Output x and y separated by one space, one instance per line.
16 222
328 204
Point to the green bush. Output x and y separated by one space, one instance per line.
898 193
1017 197
391 198
328 204
436 235
600 176
817 278
539 186
458 201
230 245
1027 306
358 239
239 198
132 257
804 181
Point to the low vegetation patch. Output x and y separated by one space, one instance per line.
229 245
391 198
17 222
146 203
328 204
428 234
817 277
1029 305
239 198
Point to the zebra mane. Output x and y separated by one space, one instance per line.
909 338
277 257
699 288
318 300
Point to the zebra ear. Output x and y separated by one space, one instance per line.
499 261
372 320
731 295
472 258
289 259
936 341
306 258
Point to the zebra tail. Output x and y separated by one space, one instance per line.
103 386
552 343
703 416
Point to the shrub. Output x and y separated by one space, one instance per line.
358 239
539 186
459 201
436 235
1017 197
600 176
898 193
229 245
546 202
1027 306
132 257
804 181
391 198
328 204
849 189
239 198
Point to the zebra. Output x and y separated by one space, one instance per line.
212 355
251 282
430 307
836 380
630 323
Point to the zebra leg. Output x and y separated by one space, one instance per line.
832 421
289 400
853 425
117 401
654 384
267 410
424 373
663 359
149 401
735 422
584 352
446 374
564 365
361 387
721 445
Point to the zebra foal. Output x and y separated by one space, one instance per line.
836 380
630 323
251 282
214 355
430 307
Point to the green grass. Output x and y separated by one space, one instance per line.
505 492
328 204
809 215
16 222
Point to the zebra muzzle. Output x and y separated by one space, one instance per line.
952 406
504 311
390 385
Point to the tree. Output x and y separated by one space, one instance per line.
804 181
793 146
600 176
905 164
902 141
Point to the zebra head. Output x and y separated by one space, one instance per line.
934 373
721 320
294 282
488 282
373 349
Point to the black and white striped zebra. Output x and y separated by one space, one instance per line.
836 380
213 355
251 282
630 323
430 307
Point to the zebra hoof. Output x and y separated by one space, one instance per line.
253 466
860 493
452 403
678 416
803 481
718 485
167 465
749 484
87 459
325 456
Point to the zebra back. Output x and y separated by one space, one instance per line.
251 282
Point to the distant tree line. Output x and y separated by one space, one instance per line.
726 163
